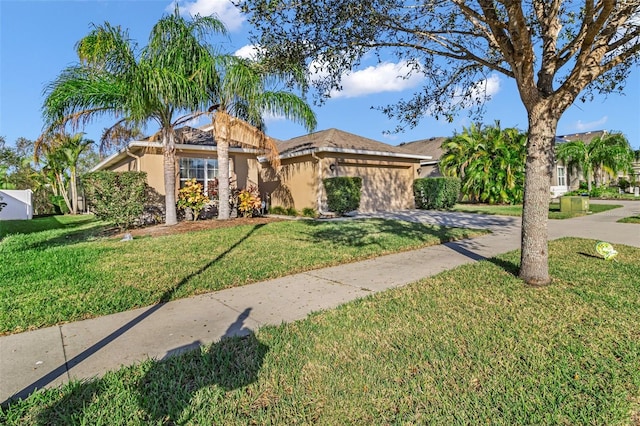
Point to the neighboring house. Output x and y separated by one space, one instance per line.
431 147
564 178
387 171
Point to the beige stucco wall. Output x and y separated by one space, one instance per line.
244 167
387 182
150 162
296 184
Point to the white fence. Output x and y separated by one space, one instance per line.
18 204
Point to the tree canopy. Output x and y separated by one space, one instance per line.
610 153
166 80
556 51
243 94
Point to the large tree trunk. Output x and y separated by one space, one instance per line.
221 136
534 267
169 164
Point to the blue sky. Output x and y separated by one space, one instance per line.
37 40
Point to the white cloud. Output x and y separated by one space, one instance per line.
485 89
223 9
591 125
249 51
384 77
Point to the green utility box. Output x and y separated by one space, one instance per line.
574 204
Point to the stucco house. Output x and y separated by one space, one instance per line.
197 158
387 171
431 147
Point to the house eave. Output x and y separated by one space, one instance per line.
348 151
121 154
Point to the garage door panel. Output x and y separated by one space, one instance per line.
383 188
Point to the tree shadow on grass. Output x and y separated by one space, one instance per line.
166 297
40 224
168 386
364 232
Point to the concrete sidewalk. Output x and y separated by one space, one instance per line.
52 356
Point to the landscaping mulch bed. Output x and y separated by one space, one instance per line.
198 225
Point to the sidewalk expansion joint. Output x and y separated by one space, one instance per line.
337 282
64 353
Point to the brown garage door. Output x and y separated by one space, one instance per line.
383 188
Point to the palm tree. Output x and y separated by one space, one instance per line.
610 153
159 83
118 136
54 171
70 148
241 97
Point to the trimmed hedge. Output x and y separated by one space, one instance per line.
343 193
436 193
117 197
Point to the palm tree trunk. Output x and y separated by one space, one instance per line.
74 192
63 191
534 267
169 165
221 136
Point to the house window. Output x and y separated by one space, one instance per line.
204 170
562 179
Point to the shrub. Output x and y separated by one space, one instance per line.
343 193
291 211
624 184
436 193
117 197
284 211
309 212
191 196
249 203
59 205
277 210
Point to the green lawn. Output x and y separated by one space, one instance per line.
630 219
469 346
516 210
66 224
68 273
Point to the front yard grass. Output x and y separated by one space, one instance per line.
469 346
516 210
630 219
66 274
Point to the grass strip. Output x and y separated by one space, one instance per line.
470 346
66 274
630 219
516 210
